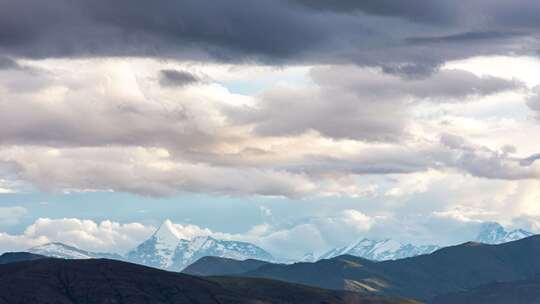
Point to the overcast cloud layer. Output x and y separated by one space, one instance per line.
420 114
407 38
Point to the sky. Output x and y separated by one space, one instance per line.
293 124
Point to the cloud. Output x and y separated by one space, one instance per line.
147 172
314 234
113 127
483 162
268 31
176 78
109 236
362 104
106 236
7 63
462 37
439 12
533 101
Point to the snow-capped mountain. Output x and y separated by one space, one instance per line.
309 258
380 250
494 233
167 249
63 251
388 249
158 251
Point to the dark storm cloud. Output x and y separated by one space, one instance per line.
174 78
383 33
463 37
231 30
7 63
434 11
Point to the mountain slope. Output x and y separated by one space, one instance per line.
63 251
106 281
423 277
216 266
518 292
166 249
14 257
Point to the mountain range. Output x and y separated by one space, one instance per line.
167 249
447 271
468 273
389 249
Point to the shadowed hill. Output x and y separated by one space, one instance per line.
519 292
106 281
13 257
216 266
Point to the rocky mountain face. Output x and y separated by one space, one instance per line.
166 249
64 281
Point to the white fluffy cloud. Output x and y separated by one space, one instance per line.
114 126
106 236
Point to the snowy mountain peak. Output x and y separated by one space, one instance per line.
168 249
167 233
494 233
379 250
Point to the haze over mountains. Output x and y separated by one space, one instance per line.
167 249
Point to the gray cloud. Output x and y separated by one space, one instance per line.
437 11
176 78
361 104
481 161
7 63
463 37
530 160
533 101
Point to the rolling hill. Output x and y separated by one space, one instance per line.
517 292
106 281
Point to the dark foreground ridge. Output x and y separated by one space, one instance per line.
216 266
14 257
106 281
